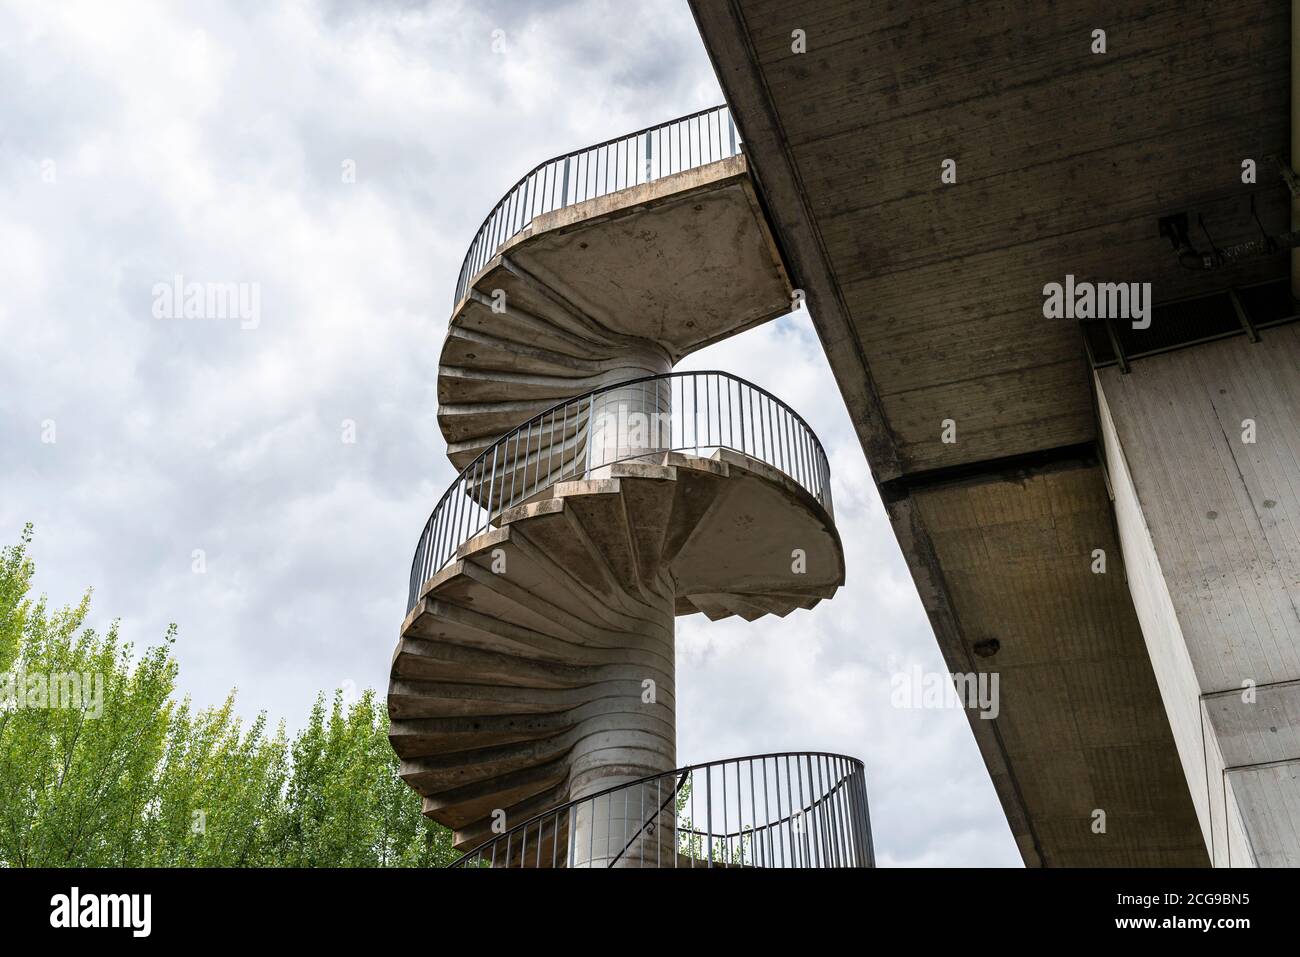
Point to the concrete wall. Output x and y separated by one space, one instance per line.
1210 529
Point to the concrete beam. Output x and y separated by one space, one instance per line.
1203 448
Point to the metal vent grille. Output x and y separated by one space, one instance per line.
1186 322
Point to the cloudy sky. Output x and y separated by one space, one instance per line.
142 141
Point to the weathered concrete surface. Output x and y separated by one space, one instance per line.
928 296
1082 728
606 290
1209 514
519 679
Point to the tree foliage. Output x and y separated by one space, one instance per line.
102 766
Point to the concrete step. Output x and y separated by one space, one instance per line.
601 292
523 669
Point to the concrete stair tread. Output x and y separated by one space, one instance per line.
566 305
499 676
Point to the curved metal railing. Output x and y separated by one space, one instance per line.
793 809
696 412
631 160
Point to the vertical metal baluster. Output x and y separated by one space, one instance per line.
866 816
820 803
437 535
855 817
726 835
550 453
769 447
784 418
769 823
789 793
846 813
800 449
741 393
659 822
514 211
591 835
865 812
810 831
658 416
619 850
740 818
717 402
833 808
473 509
731 419
690 847
492 477
836 813
695 417
673 429
573 837
641 835
512 463
467 505
757 842
609 824
807 825
708 811
842 809
537 456
441 532
778 425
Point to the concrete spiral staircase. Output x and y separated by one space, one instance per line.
536 664
520 688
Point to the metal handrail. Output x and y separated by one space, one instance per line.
620 163
785 809
706 411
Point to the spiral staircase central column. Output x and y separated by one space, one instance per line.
630 422
633 735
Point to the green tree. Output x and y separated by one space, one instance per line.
346 806
101 765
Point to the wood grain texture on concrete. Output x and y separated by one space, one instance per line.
1081 727
1204 452
928 295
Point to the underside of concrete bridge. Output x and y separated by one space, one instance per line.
927 169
